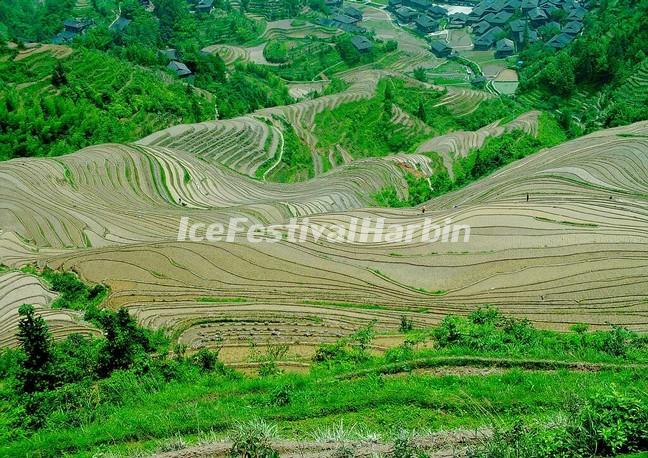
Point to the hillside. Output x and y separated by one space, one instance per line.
323 229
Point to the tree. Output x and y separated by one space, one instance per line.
559 74
35 340
388 101
59 78
419 74
124 340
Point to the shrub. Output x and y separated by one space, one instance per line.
276 52
330 352
611 423
448 331
124 340
419 74
281 395
206 359
485 315
253 440
605 424
406 324
404 446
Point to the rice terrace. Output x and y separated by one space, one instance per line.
324 228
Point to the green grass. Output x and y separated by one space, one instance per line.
159 398
200 403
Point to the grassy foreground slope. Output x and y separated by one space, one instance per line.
507 386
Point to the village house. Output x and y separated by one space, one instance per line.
512 5
205 6
577 14
362 44
478 82
528 5
405 14
180 69
352 12
518 25
169 54
500 18
77 26
572 27
71 29
426 24
481 28
537 16
120 24
436 12
530 38
345 19
487 40
420 5
457 21
560 40
504 48
440 48
64 37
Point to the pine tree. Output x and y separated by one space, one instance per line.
35 373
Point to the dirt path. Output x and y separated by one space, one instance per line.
442 444
459 362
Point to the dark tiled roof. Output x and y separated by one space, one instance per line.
505 45
573 27
120 24
361 43
560 40
179 68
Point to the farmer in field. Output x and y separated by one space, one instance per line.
423 209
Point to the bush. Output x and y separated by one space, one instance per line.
253 440
281 395
404 446
612 423
605 424
206 359
406 324
276 52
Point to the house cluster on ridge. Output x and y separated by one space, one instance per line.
425 15
347 19
508 24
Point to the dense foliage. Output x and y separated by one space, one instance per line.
96 99
496 152
27 20
611 50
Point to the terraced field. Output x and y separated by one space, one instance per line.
559 237
574 252
456 144
284 28
245 143
16 289
229 54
